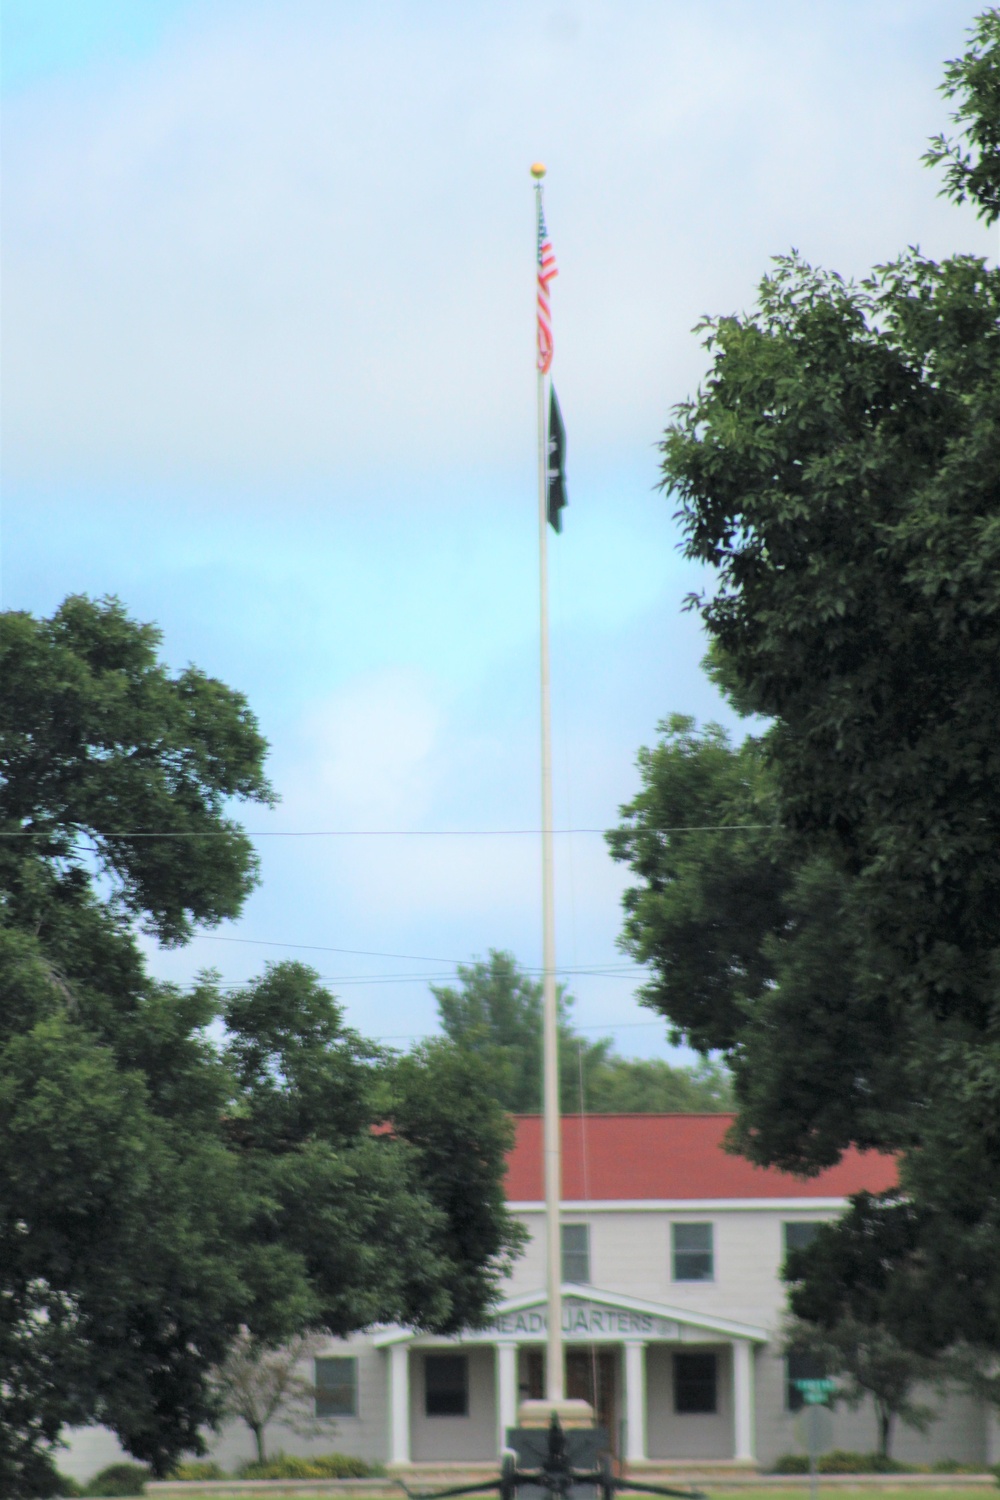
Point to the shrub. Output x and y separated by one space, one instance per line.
790 1463
66 1486
119 1479
197 1469
841 1461
321 1466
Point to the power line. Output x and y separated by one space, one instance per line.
409 957
417 1036
383 833
361 980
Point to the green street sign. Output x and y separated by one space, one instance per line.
815 1392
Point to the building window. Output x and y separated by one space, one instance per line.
576 1253
799 1234
693 1256
695 1381
336 1387
800 1367
446 1385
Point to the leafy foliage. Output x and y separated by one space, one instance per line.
317 1466
495 1014
974 81
118 1479
870 1363
839 470
159 1190
197 1469
257 1382
843 1461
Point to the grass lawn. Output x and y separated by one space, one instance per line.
859 1491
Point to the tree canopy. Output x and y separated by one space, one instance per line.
839 471
495 1014
162 1188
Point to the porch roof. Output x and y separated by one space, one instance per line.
599 1315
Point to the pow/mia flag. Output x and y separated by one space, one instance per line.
556 471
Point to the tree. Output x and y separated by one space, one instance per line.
257 1382
973 172
870 1364
160 1189
496 1014
840 471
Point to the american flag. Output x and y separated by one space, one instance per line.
546 270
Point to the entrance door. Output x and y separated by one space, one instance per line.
591 1376
583 1368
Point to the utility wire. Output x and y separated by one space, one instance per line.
409 957
381 833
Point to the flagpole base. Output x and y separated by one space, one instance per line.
570 1414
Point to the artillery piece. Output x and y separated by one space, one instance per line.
544 1462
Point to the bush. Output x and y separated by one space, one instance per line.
321 1466
67 1486
840 1461
119 1479
953 1466
790 1463
198 1469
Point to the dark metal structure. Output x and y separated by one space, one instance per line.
553 1462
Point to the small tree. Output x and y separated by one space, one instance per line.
258 1382
869 1362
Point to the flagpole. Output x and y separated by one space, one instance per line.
554 1364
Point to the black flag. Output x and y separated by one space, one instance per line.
555 479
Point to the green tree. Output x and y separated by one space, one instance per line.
871 1365
159 1190
972 170
257 1382
495 1014
839 470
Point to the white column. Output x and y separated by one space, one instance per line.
635 1400
506 1383
399 1404
744 1411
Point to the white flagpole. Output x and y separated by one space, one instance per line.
554 1372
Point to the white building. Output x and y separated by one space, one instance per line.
672 1254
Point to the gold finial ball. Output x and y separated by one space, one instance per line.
538 170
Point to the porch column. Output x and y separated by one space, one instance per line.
743 1401
635 1400
399 1403
506 1384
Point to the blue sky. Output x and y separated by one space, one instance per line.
268 359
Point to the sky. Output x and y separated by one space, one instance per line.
268 378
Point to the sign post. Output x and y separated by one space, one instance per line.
815 1394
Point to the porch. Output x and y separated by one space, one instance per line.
667 1384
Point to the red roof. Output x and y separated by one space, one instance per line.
608 1157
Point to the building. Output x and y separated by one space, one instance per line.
672 1253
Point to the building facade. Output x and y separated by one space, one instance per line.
673 1302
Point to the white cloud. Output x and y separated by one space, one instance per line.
365 756
298 241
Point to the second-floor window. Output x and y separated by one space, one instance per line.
693 1252
799 1234
576 1253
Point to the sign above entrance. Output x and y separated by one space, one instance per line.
586 1320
